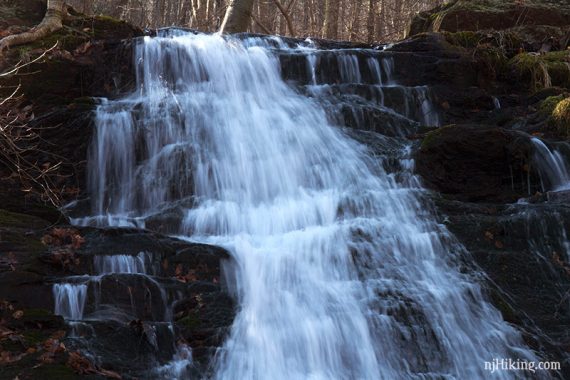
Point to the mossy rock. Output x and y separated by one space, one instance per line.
17 220
543 70
473 15
190 322
548 105
561 117
35 337
465 39
22 242
431 138
55 372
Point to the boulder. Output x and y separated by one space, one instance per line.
476 163
473 15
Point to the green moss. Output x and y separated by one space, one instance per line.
109 27
35 337
67 39
25 243
493 59
54 372
190 322
561 117
37 313
543 70
431 137
548 105
16 220
108 19
466 39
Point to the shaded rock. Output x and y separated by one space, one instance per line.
477 163
495 14
130 349
25 13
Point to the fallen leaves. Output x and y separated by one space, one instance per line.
9 261
185 277
490 237
63 242
63 237
562 264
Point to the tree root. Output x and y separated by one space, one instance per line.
56 12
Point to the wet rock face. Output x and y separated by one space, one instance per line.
521 247
147 295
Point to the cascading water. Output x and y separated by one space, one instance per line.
342 271
70 300
552 167
120 264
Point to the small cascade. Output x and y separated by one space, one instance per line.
70 300
551 166
90 291
178 367
120 264
496 103
340 78
375 71
349 68
127 293
388 66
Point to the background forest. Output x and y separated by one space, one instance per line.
353 20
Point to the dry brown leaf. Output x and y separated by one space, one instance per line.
18 314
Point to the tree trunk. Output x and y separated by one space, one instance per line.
330 29
237 17
285 13
52 22
371 20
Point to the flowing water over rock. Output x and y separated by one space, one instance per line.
341 270
70 300
552 167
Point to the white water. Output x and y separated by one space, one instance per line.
552 167
342 271
120 264
70 300
496 103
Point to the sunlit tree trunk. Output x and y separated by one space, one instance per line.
237 17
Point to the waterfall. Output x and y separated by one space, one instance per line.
70 300
120 264
342 271
551 166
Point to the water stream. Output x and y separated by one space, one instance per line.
552 167
342 271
